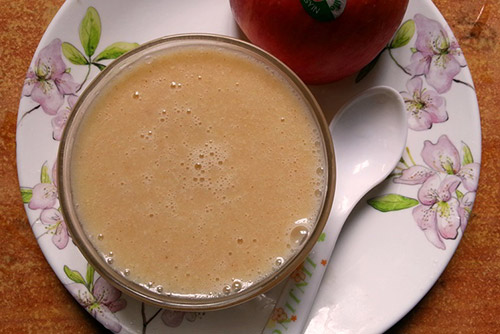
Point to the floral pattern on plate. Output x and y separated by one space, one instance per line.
442 208
49 80
98 297
436 57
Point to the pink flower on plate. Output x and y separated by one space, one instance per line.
54 222
49 81
437 215
414 175
469 175
44 196
172 318
465 208
101 303
438 56
442 209
444 157
424 107
59 121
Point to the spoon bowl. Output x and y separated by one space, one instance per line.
369 136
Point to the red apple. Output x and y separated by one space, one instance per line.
320 51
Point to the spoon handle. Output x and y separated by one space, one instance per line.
297 297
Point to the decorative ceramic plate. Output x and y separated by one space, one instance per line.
397 241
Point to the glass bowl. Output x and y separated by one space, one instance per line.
149 293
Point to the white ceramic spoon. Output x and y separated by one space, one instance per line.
369 136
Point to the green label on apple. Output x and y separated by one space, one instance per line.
324 10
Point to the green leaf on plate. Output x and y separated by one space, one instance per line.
392 202
101 67
460 194
322 237
468 158
26 194
44 174
74 275
73 54
403 35
90 31
115 50
90 273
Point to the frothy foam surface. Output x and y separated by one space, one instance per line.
198 172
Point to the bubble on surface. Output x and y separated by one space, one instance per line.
237 285
299 235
